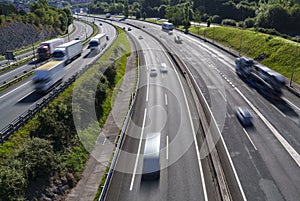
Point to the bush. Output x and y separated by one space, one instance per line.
240 24
249 22
229 22
216 19
268 31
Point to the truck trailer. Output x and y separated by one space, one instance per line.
68 51
151 162
267 81
49 74
98 42
46 49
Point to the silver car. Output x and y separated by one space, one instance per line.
153 72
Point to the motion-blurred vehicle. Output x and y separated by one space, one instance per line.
244 116
177 39
153 72
163 68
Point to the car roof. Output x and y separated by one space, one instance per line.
244 111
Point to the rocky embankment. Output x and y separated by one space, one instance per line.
17 34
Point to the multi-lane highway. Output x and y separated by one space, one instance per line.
266 157
164 104
18 98
81 30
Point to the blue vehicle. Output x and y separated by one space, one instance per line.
244 116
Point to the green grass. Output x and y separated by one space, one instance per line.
281 52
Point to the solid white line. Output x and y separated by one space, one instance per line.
167 147
139 150
148 82
15 89
195 139
166 99
291 103
104 141
293 153
250 139
278 110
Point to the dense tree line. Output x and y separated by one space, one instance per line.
282 16
40 15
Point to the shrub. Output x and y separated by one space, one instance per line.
229 22
249 22
216 19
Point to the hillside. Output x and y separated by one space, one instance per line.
17 34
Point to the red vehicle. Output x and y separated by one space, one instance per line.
46 49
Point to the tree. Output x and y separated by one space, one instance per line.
37 158
197 19
126 9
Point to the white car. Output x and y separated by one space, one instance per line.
163 68
153 72
140 37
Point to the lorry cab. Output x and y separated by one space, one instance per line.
59 54
93 44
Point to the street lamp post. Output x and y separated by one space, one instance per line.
33 52
293 68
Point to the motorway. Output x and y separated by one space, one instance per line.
16 99
266 157
164 104
81 31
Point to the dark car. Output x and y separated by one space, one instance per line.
129 29
244 116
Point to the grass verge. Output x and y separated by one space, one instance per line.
280 53
74 156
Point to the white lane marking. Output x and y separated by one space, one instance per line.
278 110
104 141
15 89
167 150
226 149
166 99
194 135
291 103
139 150
148 82
293 153
220 92
250 139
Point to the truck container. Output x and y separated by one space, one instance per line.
46 49
151 162
98 42
47 75
68 51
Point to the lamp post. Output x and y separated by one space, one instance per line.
293 68
33 52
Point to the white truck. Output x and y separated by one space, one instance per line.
68 51
49 74
46 49
151 164
98 42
